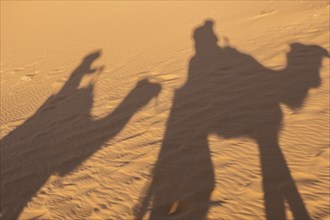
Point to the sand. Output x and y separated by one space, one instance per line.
173 110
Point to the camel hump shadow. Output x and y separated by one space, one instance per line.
231 94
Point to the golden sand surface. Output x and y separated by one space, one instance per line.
165 110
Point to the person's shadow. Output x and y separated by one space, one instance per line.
60 135
231 94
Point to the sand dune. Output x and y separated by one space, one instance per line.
165 110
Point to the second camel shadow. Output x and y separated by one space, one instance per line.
61 135
231 94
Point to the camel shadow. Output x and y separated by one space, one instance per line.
231 94
60 135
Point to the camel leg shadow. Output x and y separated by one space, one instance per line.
278 184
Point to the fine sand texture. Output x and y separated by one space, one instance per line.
165 110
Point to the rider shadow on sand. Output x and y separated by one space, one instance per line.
231 94
60 136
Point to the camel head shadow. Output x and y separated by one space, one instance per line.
302 73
